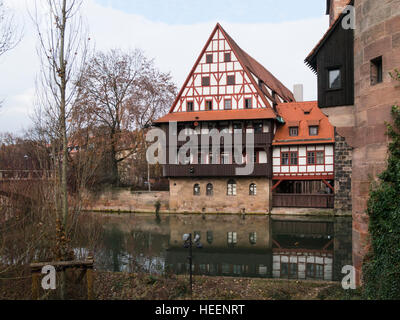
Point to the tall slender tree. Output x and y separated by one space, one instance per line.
63 47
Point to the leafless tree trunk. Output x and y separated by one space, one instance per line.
63 49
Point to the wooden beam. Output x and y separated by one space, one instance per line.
61 265
326 182
276 185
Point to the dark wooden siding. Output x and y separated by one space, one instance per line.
337 51
287 200
214 170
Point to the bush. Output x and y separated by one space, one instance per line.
381 268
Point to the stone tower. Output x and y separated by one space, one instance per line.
335 8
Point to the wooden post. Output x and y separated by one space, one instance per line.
89 278
35 286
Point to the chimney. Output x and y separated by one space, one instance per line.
335 8
298 92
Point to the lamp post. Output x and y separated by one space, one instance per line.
188 244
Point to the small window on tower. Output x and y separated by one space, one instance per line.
376 71
205 81
227 57
189 106
230 80
248 103
209 58
335 79
209 105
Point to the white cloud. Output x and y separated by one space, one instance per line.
281 48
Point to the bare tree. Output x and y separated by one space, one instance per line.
123 93
63 45
10 36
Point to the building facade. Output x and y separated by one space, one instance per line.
303 158
229 93
357 93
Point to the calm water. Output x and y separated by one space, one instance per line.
258 246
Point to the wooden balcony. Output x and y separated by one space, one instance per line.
292 200
214 170
260 140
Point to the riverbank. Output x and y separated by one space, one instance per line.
123 200
124 286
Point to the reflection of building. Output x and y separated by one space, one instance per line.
303 250
231 246
262 247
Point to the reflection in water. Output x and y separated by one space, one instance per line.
258 246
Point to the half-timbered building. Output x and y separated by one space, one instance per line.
229 91
303 157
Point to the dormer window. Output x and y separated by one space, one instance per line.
294 131
313 130
335 79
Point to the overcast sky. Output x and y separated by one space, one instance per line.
279 34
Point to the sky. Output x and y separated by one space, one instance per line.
279 34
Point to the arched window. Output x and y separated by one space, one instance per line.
210 190
231 188
196 190
253 189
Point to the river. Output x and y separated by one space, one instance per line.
295 247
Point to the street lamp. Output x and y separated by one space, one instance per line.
188 244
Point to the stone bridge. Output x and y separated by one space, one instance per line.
23 183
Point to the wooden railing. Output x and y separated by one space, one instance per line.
7 175
290 200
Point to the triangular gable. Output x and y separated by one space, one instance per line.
245 88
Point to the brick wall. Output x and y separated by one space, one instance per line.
183 200
337 7
377 34
343 172
125 200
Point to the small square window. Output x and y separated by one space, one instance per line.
376 71
248 103
230 80
227 57
335 79
209 105
294 131
209 58
189 106
228 105
313 130
205 81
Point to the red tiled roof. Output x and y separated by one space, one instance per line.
258 70
221 115
296 112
